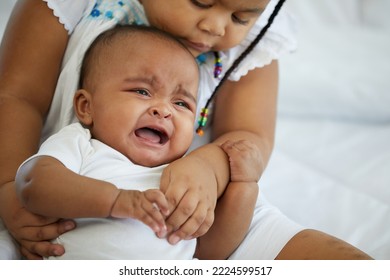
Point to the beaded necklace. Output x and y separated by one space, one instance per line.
218 67
217 63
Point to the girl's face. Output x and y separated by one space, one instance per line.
142 102
205 25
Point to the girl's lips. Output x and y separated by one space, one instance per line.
201 48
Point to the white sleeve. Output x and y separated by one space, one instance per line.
277 41
70 146
70 12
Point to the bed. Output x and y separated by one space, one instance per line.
330 169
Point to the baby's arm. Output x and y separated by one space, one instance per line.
46 187
235 208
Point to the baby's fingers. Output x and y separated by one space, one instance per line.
155 210
153 218
158 199
197 225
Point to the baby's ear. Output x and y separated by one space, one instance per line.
82 103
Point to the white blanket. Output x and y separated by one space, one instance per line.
330 169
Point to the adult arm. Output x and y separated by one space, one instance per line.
31 53
243 110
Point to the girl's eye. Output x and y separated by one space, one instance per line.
201 4
238 20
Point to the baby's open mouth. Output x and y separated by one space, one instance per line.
152 135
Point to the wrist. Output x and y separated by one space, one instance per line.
116 194
242 189
214 159
8 199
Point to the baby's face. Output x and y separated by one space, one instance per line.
205 25
144 102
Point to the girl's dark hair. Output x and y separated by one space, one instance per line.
243 55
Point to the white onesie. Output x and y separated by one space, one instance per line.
109 238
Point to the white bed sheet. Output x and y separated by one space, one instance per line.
334 176
330 169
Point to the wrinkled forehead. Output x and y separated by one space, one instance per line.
141 42
164 46
154 39
166 49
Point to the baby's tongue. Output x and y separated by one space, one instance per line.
148 134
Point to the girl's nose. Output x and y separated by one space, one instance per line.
213 25
160 111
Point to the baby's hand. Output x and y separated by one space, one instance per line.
244 159
149 207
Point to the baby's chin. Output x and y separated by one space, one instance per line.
148 160
153 160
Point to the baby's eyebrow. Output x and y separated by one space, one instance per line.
254 10
146 80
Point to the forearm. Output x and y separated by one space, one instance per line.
233 216
20 137
48 188
246 110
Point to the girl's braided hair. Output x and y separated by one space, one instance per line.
239 60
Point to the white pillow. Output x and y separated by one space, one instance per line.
339 71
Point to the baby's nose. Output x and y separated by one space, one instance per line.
161 111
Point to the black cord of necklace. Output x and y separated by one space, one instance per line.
203 117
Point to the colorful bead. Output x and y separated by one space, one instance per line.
202 58
217 66
217 72
202 120
200 132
